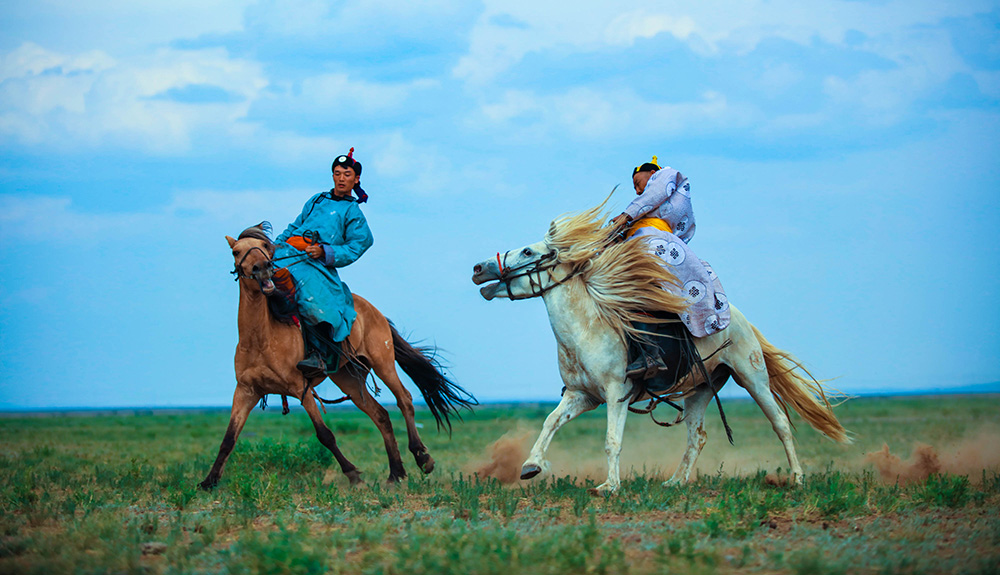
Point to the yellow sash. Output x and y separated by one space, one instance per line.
657 223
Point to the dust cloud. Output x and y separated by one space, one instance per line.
506 456
969 456
654 453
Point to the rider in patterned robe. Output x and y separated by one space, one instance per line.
662 216
333 231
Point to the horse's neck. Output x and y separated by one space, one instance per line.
572 312
254 318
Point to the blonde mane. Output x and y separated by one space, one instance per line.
624 279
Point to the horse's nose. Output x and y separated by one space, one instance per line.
256 268
477 269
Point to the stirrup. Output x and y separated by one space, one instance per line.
653 366
312 366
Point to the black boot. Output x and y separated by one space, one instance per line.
312 366
648 365
647 361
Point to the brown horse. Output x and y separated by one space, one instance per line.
269 349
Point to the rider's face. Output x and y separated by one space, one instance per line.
639 181
343 180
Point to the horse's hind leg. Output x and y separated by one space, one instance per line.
694 418
353 384
326 437
243 402
757 382
388 375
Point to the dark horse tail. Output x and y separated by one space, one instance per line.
443 396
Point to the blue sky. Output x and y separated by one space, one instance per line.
844 161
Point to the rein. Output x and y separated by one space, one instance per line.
526 270
238 267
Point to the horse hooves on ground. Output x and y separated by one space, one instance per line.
207 485
600 492
530 470
354 477
427 465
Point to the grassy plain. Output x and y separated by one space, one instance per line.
117 494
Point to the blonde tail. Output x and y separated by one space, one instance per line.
804 394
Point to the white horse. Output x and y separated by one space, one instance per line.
594 289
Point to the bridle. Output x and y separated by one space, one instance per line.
545 263
268 264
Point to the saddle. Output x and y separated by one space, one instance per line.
677 348
316 337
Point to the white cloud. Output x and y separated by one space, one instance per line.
91 99
626 28
926 60
31 59
331 93
348 22
595 114
151 102
121 27
710 27
29 218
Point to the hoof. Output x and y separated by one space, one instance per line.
207 485
530 470
428 465
602 491
354 477
425 462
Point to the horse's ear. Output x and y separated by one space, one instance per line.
232 242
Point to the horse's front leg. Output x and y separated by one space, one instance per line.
573 403
243 401
617 403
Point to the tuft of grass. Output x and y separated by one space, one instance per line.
835 495
945 490
286 551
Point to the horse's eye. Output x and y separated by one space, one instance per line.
235 253
526 252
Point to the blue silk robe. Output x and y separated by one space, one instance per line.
320 294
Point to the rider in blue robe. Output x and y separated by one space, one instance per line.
332 232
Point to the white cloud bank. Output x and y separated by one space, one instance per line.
93 99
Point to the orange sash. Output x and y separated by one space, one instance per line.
657 223
298 242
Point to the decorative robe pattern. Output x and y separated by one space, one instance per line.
340 226
668 197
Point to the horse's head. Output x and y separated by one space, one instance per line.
518 274
572 240
252 254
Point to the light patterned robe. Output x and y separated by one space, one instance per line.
668 197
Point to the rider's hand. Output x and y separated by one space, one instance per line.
620 220
315 251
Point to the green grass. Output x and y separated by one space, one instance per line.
117 494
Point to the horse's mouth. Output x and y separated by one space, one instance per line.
487 271
267 286
489 291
